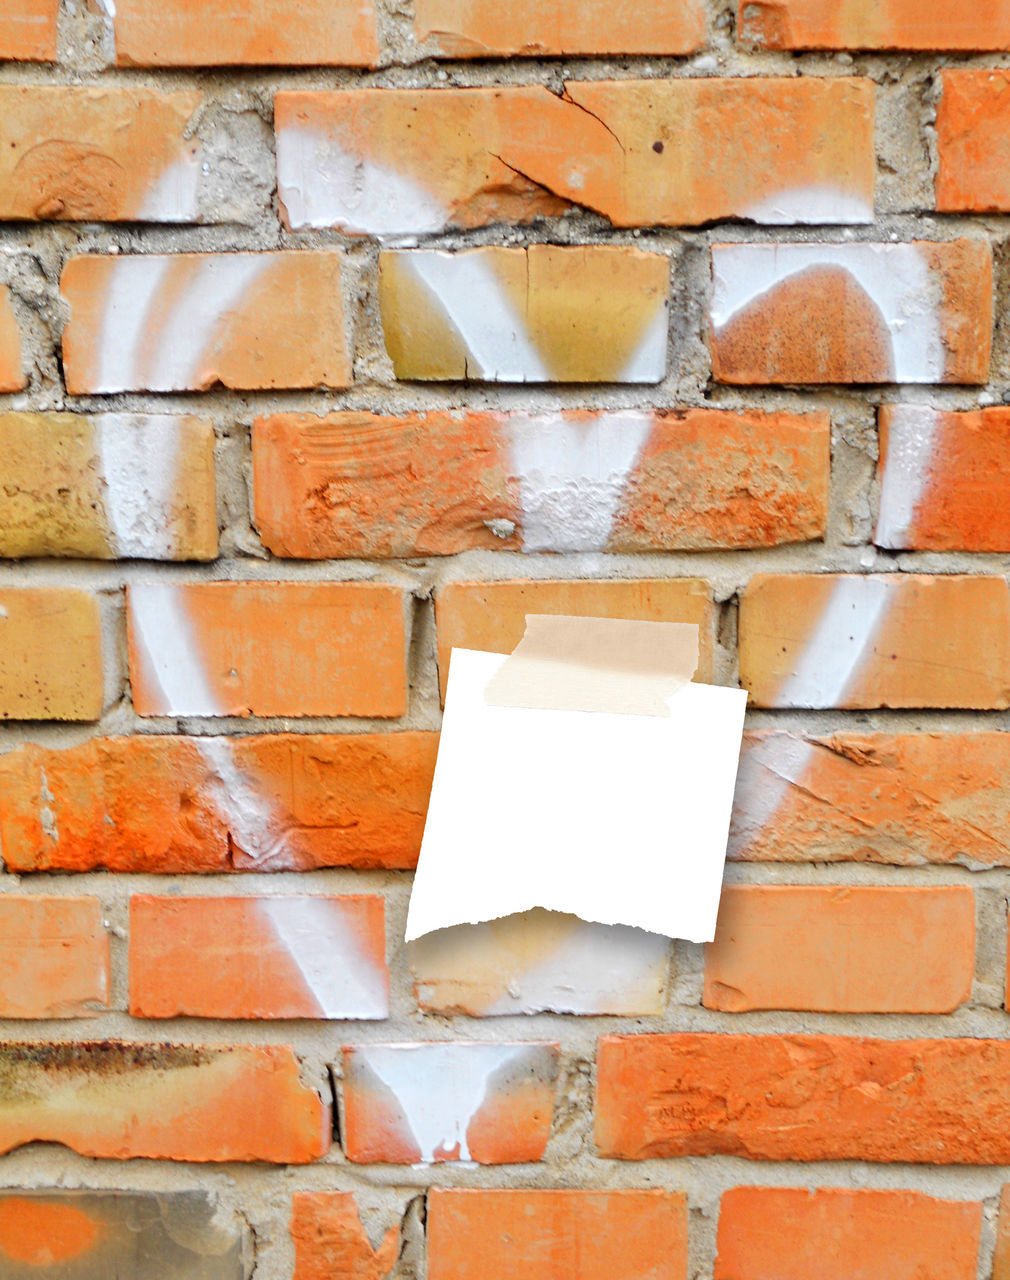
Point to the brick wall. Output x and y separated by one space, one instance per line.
332 336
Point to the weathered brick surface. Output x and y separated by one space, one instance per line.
123 1100
917 312
329 1239
355 484
186 33
268 649
867 24
459 29
668 152
903 799
12 375
98 155
190 321
491 616
594 313
77 1235
845 1235
851 950
875 641
271 802
971 128
428 1103
28 30
108 486
803 1097
258 957
533 1234
1001 1252
50 654
54 957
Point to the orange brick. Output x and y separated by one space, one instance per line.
50 654
825 313
258 957
851 950
658 481
129 157
537 1235
54 957
106 487
12 374
943 479
668 152
459 29
122 1100
285 802
178 1235
902 799
1001 1253
874 24
268 649
802 1097
200 33
330 1240
875 641
972 120
28 30
837 1234
491 616
428 1103
547 313
191 321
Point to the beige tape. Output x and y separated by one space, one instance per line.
615 665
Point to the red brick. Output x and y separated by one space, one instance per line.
28 30
191 321
258 957
837 1234
268 649
54 957
1001 1253
827 313
851 950
667 152
330 1240
944 479
459 29
491 616
119 1100
902 799
195 33
98 155
874 24
541 1235
900 640
50 654
12 373
803 1097
73 1235
972 120
358 484
427 1103
275 802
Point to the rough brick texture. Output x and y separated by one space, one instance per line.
12 376
329 1239
28 30
869 24
54 957
50 654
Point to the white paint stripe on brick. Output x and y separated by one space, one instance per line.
648 360
247 815
440 1087
173 198
320 941
572 475
907 473
323 185
133 287
820 203
168 651
895 277
139 457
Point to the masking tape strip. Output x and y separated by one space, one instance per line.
615 665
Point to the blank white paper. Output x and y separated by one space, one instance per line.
620 819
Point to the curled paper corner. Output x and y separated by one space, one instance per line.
612 665
618 818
